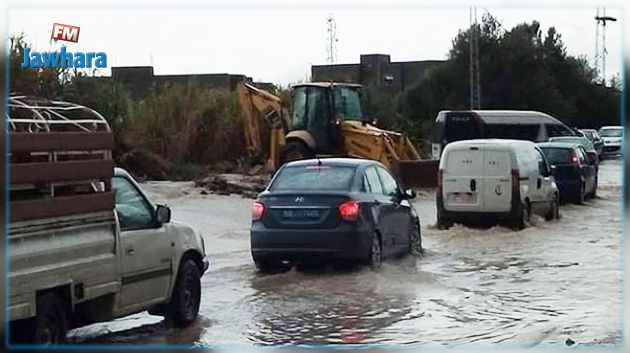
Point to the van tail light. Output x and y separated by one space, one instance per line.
258 209
349 210
516 184
440 176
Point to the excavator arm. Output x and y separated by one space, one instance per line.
265 123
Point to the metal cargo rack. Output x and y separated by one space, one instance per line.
60 159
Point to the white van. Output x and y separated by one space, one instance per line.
459 125
506 180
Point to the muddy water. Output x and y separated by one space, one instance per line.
551 282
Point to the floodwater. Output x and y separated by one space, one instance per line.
552 283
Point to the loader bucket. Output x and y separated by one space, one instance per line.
417 173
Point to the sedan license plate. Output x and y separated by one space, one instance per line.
301 214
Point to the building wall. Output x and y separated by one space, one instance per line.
141 79
375 70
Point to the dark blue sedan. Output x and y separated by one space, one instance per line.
574 172
337 209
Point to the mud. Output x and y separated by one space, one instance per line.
554 283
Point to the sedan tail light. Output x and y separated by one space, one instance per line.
349 210
258 209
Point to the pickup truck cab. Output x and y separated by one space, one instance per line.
85 243
72 271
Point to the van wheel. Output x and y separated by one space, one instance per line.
375 255
442 221
51 322
554 211
523 217
184 305
296 150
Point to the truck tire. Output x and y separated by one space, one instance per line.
296 150
51 322
184 305
554 211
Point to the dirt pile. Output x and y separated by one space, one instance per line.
248 186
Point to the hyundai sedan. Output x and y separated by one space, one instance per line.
337 209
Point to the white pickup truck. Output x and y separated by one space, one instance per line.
86 244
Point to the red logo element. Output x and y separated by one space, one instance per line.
65 32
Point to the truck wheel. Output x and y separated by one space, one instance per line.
184 305
51 322
296 150
554 211
375 255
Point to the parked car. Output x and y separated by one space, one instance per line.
459 125
587 145
612 136
332 209
595 139
575 175
503 180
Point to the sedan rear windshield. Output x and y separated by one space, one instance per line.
557 155
313 177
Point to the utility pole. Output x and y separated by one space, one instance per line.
475 74
331 48
600 44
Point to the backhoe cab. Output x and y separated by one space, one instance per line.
318 110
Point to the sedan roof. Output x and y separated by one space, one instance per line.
338 161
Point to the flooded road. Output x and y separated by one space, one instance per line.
548 283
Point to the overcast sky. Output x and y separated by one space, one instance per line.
279 43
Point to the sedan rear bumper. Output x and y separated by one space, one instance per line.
348 241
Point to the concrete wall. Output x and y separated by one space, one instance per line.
141 79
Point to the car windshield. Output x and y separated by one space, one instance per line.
557 155
610 132
314 177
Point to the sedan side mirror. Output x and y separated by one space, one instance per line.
410 194
162 214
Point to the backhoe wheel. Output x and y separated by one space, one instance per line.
184 305
296 150
51 322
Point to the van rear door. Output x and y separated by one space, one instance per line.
463 180
497 190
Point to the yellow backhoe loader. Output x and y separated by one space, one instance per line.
326 120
